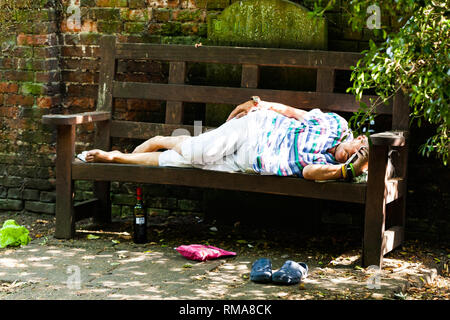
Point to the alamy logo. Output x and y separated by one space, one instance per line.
74 20
74 278
374 21
374 281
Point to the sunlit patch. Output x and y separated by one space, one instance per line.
344 260
11 263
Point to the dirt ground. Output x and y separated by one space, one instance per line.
416 271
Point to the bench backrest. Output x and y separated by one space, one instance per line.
175 92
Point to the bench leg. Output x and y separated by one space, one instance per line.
375 213
102 193
65 149
102 189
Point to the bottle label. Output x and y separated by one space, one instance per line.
140 220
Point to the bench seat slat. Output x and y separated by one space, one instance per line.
339 102
239 55
291 186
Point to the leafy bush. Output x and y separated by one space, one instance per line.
412 57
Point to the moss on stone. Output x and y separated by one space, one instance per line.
171 29
212 4
109 26
268 23
134 27
31 88
105 13
189 15
263 23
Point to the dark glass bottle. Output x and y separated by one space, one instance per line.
140 219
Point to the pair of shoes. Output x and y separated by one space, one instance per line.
290 273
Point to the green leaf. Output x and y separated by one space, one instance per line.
400 296
13 234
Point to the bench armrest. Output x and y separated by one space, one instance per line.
78 118
389 138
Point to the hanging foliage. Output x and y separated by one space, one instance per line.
413 56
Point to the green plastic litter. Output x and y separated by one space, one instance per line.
13 234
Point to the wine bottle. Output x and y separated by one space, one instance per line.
140 219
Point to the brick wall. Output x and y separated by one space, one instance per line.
51 65
30 84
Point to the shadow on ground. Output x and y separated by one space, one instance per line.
104 263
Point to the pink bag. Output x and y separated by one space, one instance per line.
201 252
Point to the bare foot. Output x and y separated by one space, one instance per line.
97 155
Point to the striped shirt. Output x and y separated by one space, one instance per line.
285 146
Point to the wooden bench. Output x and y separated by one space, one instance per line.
383 195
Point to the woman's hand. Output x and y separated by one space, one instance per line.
243 109
257 104
361 164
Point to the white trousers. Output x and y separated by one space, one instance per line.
230 147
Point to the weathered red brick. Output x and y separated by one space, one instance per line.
83 64
6 63
89 26
85 90
8 87
36 64
48 101
18 75
111 3
80 76
36 40
82 102
154 28
120 104
161 15
80 51
9 112
18 99
45 52
48 76
22 52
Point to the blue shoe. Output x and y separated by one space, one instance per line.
261 270
290 273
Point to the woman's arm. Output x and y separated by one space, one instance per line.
285 110
244 108
322 172
336 171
